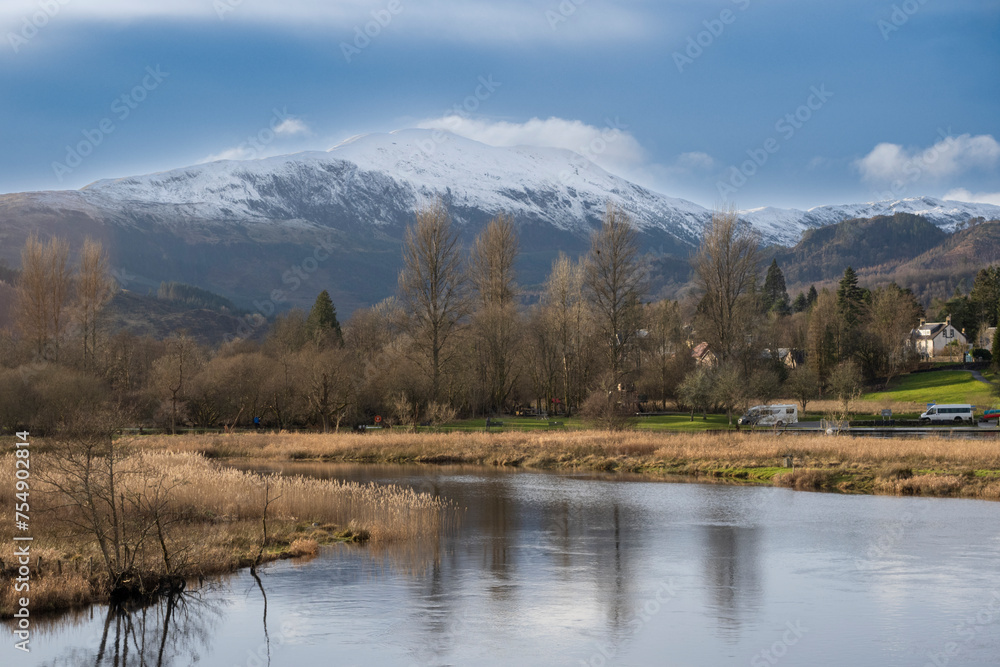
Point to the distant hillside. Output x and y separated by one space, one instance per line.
953 263
194 297
880 244
151 315
902 249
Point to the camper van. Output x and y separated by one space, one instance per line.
957 412
770 415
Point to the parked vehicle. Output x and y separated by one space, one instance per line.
990 415
955 412
770 415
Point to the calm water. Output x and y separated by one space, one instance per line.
562 570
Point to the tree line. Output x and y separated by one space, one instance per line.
459 340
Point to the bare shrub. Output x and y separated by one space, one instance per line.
605 410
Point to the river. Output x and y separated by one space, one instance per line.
551 569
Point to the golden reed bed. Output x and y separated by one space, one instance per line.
605 450
212 522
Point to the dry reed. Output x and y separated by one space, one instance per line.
846 463
215 522
578 448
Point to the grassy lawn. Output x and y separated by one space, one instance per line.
515 424
683 423
937 387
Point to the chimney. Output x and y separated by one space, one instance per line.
947 320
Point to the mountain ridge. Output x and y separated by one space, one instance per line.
256 230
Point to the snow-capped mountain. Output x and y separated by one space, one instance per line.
381 179
945 214
283 228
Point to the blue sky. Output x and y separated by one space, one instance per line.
750 102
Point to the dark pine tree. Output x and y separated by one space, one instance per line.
850 310
801 303
812 296
775 296
322 322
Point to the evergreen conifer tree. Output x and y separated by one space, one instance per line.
322 322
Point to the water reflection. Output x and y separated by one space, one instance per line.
732 574
548 569
170 632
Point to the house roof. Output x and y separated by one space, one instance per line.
700 350
931 330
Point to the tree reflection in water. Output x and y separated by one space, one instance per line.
172 631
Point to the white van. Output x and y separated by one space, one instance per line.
954 412
770 415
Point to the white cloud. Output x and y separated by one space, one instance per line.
241 152
267 141
961 194
291 126
888 163
610 147
461 20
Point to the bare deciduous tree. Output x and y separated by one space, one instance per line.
94 288
566 313
496 320
894 314
173 372
726 268
432 286
666 356
42 294
614 277
330 384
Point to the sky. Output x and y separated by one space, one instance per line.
747 103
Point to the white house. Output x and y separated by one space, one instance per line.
930 338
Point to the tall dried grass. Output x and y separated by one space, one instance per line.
629 450
213 522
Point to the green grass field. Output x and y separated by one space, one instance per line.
937 387
949 386
681 423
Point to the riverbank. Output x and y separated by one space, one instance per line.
180 515
925 467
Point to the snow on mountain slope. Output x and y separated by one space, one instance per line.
376 181
376 176
945 214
